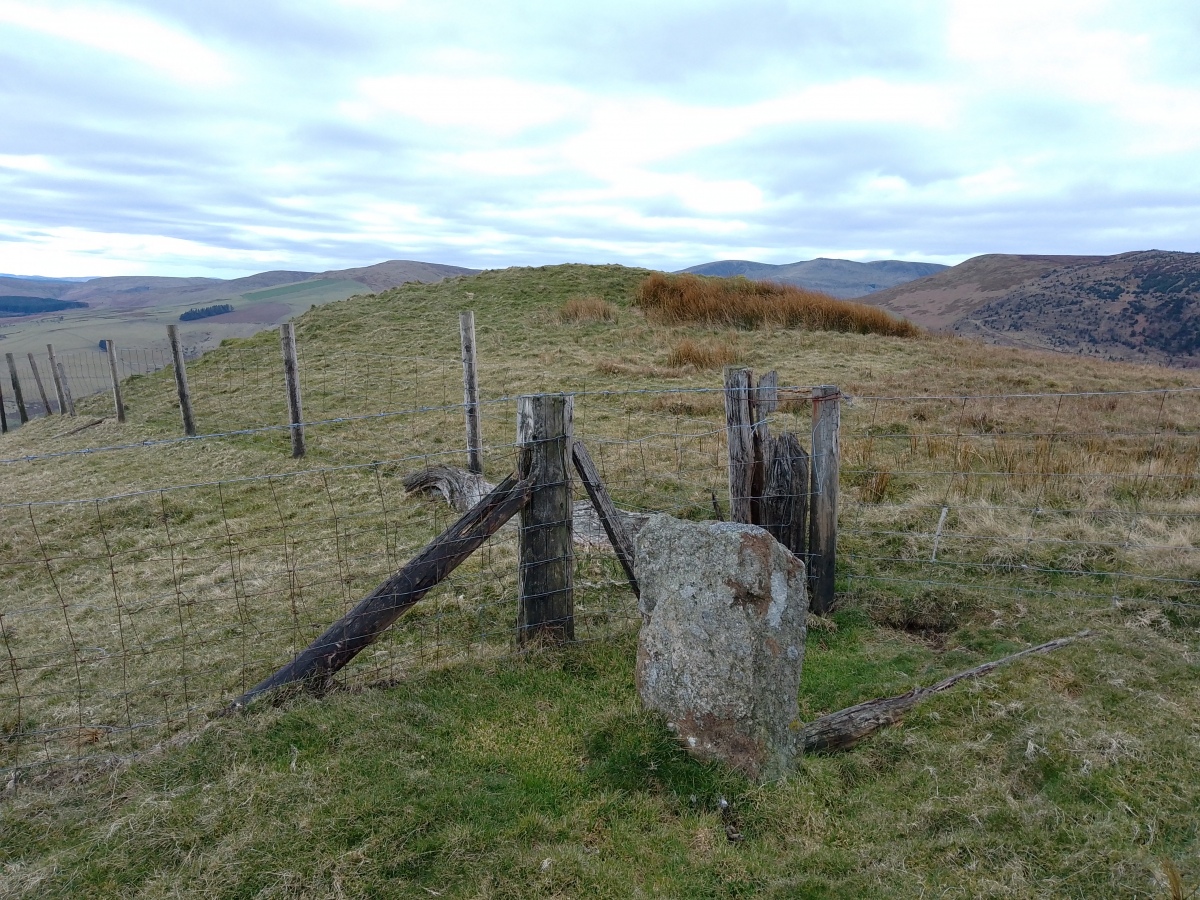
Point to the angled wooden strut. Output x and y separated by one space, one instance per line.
360 627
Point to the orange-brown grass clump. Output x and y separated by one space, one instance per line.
588 309
702 355
681 299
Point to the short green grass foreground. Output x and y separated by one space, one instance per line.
540 777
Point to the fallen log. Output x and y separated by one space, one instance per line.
845 728
360 627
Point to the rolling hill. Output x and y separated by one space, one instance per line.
134 309
1142 306
839 277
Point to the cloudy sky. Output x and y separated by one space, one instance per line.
227 137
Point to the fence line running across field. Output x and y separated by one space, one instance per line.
135 616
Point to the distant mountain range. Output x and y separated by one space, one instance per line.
1142 306
130 292
839 277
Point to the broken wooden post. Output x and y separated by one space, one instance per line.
546 604
739 425
66 388
360 627
610 517
58 385
37 380
111 349
16 386
466 329
181 382
291 376
785 496
822 543
764 400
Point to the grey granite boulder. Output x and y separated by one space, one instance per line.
722 644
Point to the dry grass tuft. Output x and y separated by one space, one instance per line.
703 355
588 309
680 299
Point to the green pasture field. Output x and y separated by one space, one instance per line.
447 766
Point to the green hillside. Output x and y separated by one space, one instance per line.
446 765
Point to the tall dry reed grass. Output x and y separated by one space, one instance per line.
739 302
588 309
703 354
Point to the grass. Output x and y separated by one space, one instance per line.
703 354
588 309
676 299
448 765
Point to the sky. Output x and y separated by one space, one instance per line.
229 137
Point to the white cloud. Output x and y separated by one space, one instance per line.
124 33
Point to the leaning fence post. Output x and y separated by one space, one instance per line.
291 374
739 427
466 329
66 388
116 380
545 608
37 379
822 544
181 382
58 385
16 384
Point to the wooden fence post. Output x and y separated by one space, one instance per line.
16 385
785 496
116 380
37 379
466 329
181 382
822 543
3 415
546 605
66 388
739 426
291 375
58 385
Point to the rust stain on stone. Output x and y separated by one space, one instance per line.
709 732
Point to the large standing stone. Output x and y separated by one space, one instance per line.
722 646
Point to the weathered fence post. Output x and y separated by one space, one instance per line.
466 328
785 495
291 374
111 348
16 384
66 388
739 426
181 382
37 379
822 543
3 415
546 605
58 385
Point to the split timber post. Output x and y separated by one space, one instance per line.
3 414
739 426
546 558
66 388
181 382
822 543
291 375
466 329
116 380
16 386
58 381
37 379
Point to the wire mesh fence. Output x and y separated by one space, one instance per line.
133 617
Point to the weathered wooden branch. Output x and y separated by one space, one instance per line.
360 627
462 489
610 516
845 728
